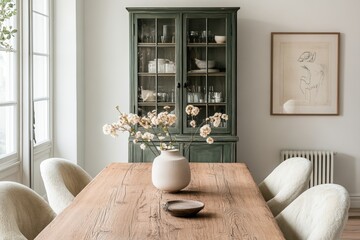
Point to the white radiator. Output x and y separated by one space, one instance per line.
323 164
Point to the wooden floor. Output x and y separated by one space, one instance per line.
352 228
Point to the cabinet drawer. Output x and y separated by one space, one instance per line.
216 152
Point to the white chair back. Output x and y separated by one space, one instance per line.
63 181
23 213
319 213
285 183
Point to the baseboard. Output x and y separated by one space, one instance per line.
354 201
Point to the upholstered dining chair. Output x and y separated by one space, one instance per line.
63 181
23 213
320 212
285 183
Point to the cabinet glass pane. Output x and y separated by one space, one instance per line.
166 60
166 31
147 89
166 89
7 76
196 60
218 56
216 89
7 130
199 118
196 89
217 27
146 63
171 110
218 108
196 31
144 109
146 30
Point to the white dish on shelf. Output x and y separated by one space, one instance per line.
220 39
204 70
202 63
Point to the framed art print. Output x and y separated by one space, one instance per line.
305 73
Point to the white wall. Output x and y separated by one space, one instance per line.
261 135
69 87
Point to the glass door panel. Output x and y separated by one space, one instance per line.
196 90
216 89
41 114
198 119
146 31
156 70
217 57
195 28
7 76
221 108
146 91
217 27
7 130
166 31
206 64
196 60
166 90
166 60
146 56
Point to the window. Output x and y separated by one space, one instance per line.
9 98
40 70
25 95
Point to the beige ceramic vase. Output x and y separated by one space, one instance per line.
170 171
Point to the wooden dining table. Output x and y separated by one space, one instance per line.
122 203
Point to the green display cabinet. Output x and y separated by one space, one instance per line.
181 56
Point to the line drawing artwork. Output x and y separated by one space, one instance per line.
311 81
305 73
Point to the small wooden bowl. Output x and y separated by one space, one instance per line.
183 208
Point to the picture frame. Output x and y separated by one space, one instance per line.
305 73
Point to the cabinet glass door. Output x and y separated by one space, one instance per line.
206 68
156 65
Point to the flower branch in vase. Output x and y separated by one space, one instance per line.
154 128
170 170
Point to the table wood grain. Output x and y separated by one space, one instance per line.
121 203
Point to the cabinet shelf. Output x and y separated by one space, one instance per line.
152 104
158 44
166 45
145 74
146 44
209 104
217 74
206 45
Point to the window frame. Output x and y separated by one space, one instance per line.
10 159
20 164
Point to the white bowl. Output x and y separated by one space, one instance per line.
220 39
202 63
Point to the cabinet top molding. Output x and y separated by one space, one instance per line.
182 9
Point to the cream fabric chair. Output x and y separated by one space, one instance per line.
285 183
320 213
63 181
23 213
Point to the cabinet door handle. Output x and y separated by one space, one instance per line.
178 85
185 85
